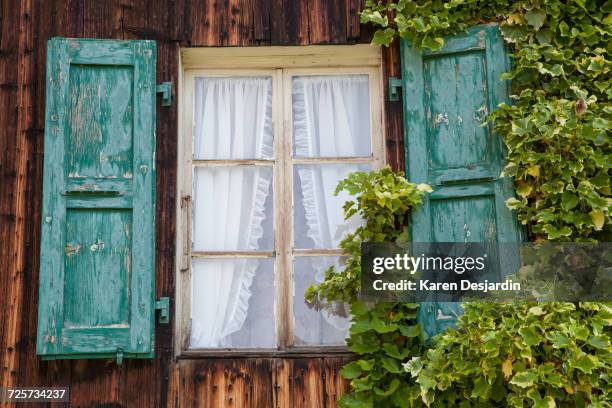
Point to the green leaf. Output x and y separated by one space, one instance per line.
383 37
434 44
554 233
524 189
351 370
559 340
481 388
598 218
380 326
425 188
524 379
410 331
600 342
513 203
392 388
530 336
392 350
569 200
360 327
391 365
535 18
413 366
585 363
350 401
536 311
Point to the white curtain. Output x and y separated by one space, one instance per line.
233 120
331 118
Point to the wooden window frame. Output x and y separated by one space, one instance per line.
281 64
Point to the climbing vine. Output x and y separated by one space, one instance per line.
558 151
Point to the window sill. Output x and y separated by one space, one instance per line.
294 352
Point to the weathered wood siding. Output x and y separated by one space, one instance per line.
25 27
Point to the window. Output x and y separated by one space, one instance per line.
262 150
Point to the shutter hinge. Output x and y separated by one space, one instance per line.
163 305
165 88
395 84
119 356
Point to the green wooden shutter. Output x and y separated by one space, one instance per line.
447 95
97 261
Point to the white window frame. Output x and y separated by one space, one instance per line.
281 64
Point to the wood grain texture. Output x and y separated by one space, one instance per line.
25 27
451 151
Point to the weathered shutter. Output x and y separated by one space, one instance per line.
97 261
447 96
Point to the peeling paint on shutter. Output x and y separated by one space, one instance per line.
447 96
96 295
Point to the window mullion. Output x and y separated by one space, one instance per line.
283 212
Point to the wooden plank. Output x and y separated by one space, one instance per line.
102 19
134 19
308 386
45 21
327 22
240 22
353 24
261 21
283 383
394 126
334 384
166 190
217 383
289 22
206 23
16 237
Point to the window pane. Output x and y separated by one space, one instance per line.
318 215
233 303
329 325
331 116
232 209
233 118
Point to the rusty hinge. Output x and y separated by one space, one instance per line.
395 84
163 305
165 88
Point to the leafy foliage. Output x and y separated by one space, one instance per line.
557 129
518 355
383 199
386 334
383 336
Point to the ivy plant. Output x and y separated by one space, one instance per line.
519 355
385 334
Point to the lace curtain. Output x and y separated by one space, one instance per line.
233 120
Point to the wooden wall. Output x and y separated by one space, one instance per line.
25 26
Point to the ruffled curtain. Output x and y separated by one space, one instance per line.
331 118
233 120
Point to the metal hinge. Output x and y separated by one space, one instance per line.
395 84
163 305
119 356
165 88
